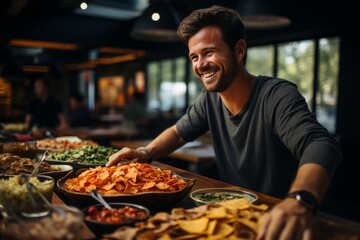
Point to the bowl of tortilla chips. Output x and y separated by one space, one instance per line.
138 183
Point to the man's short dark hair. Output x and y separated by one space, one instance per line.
227 20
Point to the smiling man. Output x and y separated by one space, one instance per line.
265 138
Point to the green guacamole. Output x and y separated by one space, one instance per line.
213 197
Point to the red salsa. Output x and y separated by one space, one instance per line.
116 215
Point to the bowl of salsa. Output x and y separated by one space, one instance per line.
101 220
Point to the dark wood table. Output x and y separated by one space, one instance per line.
327 227
191 153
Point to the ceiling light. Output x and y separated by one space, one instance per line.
83 5
115 10
158 23
262 14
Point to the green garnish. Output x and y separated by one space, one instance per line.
220 197
87 154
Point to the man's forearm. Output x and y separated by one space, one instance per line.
313 178
164 144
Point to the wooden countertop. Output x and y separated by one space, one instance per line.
327 227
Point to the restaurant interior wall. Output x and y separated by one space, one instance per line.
127 70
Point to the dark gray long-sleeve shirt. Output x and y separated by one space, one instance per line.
262 147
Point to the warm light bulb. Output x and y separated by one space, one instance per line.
83 5
155 16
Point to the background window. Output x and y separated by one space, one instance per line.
195 85
167 85
295 63
327 91
260 60
313 65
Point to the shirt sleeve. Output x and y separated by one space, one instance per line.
299 130
194 122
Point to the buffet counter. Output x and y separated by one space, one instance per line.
326 226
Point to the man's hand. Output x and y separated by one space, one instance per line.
287 220
127 155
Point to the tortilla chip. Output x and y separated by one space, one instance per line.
194 226
221 231
211 227
215 213
262 207
236 204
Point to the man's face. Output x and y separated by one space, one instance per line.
212 60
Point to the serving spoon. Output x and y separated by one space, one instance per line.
96 195
44 156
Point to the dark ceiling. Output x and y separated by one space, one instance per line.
57 21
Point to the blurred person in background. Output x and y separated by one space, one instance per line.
135 115
79 115
45 112
265 137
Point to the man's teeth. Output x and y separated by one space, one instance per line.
207 75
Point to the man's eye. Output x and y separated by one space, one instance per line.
209 53
193 59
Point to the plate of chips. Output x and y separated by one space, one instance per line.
234 219
137 183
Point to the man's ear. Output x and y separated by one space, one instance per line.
240 50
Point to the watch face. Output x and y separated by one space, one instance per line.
304 197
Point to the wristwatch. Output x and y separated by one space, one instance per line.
305 198
148 156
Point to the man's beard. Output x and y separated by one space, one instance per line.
226 78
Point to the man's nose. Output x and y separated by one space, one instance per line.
202 63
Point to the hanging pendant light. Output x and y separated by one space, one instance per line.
262 14
158 23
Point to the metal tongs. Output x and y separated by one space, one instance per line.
96 195
60 209
44 156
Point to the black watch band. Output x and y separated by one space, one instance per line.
305 198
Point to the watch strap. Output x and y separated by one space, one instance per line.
147 152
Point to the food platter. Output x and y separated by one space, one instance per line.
150 199
83 157
234 219
62 143
11 164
